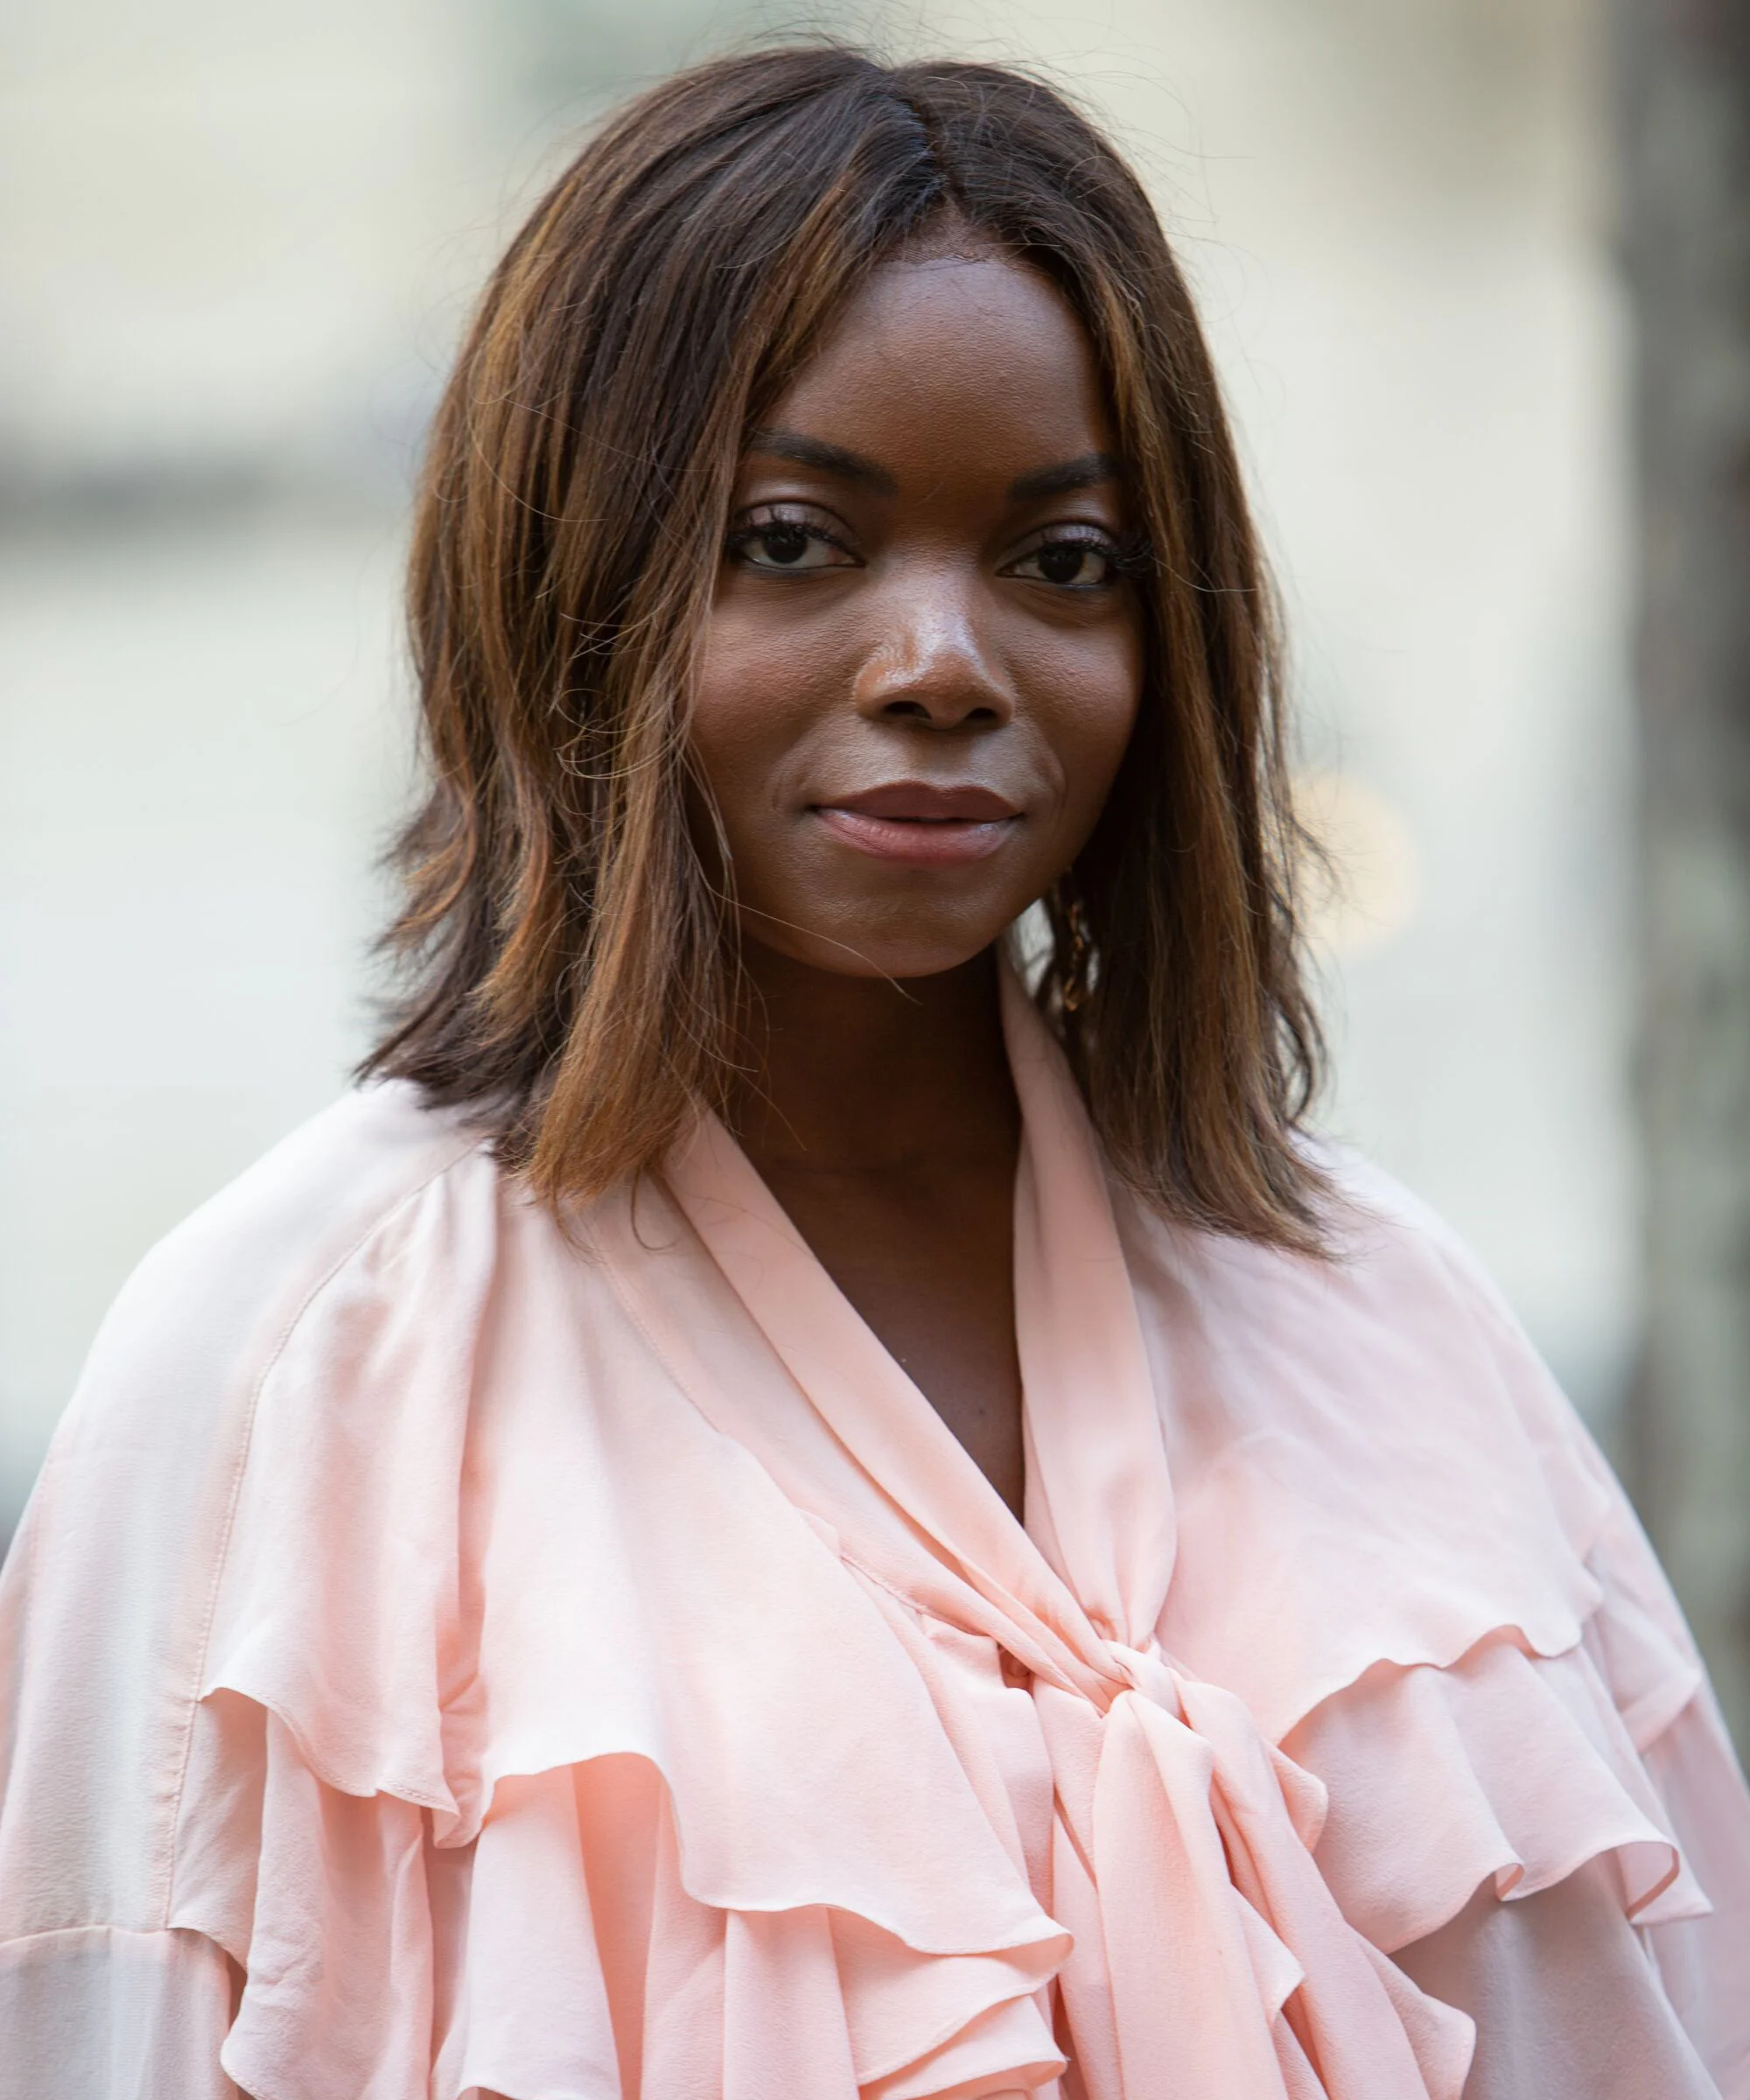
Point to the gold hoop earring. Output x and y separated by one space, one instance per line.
1077 979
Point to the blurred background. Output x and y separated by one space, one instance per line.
1456 258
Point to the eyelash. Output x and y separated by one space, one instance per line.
772 517
1122 555
1127 556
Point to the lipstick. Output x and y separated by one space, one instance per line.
920 822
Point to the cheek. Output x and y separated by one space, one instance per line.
738 721
1093 716
757 716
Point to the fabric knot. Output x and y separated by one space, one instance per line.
1210 1960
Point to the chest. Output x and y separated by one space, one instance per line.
927 1260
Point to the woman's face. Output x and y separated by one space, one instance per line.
923 659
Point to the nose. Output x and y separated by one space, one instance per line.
932 666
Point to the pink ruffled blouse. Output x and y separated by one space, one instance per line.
447 1654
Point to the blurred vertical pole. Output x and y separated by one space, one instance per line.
1683 103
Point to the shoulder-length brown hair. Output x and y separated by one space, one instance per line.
568 973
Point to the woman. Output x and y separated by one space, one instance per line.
764 1513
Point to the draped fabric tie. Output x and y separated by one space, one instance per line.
1210 1961
1207 1946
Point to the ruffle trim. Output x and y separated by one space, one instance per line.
426 1769
1510 1765
559 1954
505 1609
371 1936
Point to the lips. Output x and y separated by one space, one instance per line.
923 802
922 823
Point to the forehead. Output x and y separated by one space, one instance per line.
954 358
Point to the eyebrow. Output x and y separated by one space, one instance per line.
1089 471
1062 480
830 459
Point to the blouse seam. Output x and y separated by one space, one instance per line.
841 1553
379 1223
1650 1719
108 1926
629 1306
919 1610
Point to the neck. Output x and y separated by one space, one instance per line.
848 1074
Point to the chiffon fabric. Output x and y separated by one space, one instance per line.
451 1651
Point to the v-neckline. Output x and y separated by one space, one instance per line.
1094 1553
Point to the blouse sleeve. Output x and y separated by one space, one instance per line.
1566 2002
363 1736
109 1988
1704 1964
1596 1987
128 2015
1571 1997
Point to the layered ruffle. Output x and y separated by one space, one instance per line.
1522 1746
1401 1547
600 1710
1507 1769
601 1674
1594 1787
547 1725
558 1953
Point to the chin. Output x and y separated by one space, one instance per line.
886 951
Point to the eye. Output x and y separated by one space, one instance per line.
1077 561
780 543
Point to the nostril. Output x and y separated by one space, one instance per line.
939 718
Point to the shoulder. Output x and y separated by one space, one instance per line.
1405 1269
141 1461
1400 1305
1397 1290
106 1598
210 1302
1370 1435
1381 1227
300 1209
